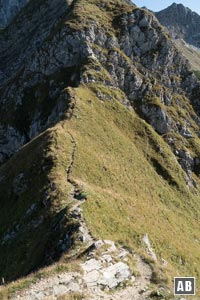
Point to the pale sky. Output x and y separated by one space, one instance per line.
157 5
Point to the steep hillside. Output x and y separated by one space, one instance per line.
181 22
99 107
34 203
191 53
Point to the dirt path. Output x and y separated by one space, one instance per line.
69 170
75 211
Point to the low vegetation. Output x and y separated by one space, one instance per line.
128 197
9 290
197 73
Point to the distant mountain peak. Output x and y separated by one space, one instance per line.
178 6
174 5
181 22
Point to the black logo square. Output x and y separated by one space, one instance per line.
184 286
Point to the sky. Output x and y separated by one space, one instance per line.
157 5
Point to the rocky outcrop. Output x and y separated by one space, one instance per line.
149 247
157 118
187 163
98 274
99 277
103 273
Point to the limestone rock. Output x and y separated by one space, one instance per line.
115 275
157 118
149 247
92 265
186 161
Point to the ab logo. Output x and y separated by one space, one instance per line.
184 286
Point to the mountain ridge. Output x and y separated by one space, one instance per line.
102 95
181 22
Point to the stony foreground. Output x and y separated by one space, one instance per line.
99 278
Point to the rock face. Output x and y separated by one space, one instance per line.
146 72
157 118
18 34
9 9
181 22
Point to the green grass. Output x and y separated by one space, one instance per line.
192 54
197 73
73 296
9 290
102 13
128 195
41 162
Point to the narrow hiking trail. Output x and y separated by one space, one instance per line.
70 167
93 265
75 210
139 289
109 261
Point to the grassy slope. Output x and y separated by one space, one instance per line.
42 162
191 53
127 197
